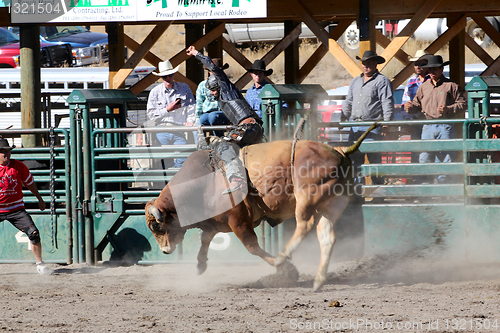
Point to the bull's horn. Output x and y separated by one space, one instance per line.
155 212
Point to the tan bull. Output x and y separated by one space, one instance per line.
315 190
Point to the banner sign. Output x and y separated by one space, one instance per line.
68 11
153 10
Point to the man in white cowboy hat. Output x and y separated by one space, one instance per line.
13 176
369 99
421 75
208 112
258 72
437 98
171 104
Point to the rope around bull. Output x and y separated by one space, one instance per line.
296 137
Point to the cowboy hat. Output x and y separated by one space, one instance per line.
165 68
435 61
419 54
218 63
371 55
4 144
260 66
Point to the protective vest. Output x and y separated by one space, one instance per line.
237 110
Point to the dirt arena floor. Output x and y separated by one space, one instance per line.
369 295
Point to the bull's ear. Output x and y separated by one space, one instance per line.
156 213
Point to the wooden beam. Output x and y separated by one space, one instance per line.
179 58
271 55
384 42
487 28
408 31
140 53
235 54
493 68
447 36
322 50
150 57
334 48
478 50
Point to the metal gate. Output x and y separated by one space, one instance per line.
50 166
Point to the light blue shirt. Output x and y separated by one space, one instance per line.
205 101
253 98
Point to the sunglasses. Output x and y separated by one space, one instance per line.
169 75
420 64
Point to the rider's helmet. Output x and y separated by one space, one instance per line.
212 83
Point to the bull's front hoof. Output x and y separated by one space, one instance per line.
202 267
279 260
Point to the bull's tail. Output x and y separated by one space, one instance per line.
356 145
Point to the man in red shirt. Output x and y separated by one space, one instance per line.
13 175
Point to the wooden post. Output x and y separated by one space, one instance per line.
30 82
116 45
214 48
194 69
457 65
292 56
366 26
457 53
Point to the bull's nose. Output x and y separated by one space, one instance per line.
167 249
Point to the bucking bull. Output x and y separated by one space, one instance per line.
315 189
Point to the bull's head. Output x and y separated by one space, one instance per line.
165 227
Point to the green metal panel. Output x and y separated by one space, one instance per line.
14 244
430 230
101 96
482 230
295 92
490 84
280 123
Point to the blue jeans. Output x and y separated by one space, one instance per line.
358 158
214 118
172 139
436 132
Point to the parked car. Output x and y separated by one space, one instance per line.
52 55
88 47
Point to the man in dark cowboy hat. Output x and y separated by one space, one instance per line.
13 175
369 98
258 72
437 98
248 129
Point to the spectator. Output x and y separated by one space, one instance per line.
13 175
208 112
437 98
421 75
369 99
258 72
171 104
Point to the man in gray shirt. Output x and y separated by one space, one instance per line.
369 98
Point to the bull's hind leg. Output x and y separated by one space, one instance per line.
326 235
206 238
